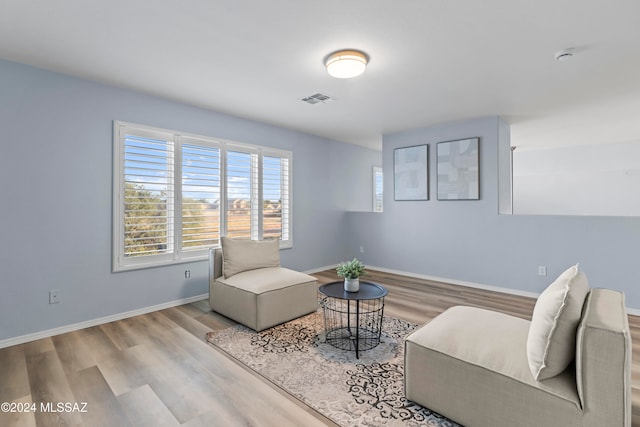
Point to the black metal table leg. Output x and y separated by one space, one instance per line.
357 327
349 317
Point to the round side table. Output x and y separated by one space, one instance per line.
353 320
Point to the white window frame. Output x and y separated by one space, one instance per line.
175 253
377 207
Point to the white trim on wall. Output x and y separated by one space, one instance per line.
632 311
100 321
457 282
319 269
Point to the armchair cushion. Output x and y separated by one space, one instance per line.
240 255
259 281
551 341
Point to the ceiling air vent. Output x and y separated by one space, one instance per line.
315 98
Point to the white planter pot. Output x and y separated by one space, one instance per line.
351 285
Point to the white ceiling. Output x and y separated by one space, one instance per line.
431 61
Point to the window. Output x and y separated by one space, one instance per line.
377 188
200 193
242 197
275 193
175 195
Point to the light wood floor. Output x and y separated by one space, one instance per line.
157 370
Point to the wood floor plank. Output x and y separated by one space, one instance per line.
14 383
93 395
49 386
186 321
145 409
137 330
265 397
18 419
39 346
202 305
215 323
84 348
126 370
190 392
119 335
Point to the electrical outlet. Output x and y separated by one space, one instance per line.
187 274
54 296
361 249
542 270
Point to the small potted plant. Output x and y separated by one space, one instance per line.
351 271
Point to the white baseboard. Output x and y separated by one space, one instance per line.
436 279
95 322
457 282
631 311
319 269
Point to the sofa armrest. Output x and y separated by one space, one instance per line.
603 360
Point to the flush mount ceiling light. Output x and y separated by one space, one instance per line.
345 64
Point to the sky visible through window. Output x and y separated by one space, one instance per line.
147 163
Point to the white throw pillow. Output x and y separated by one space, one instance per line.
551 344
240 255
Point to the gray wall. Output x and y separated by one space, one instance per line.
469 241
55 216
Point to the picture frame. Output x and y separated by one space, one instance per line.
411 173
458 169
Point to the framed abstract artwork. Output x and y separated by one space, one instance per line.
458 169
411 173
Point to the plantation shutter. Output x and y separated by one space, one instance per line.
275 195
285 197
200 195
148 195
241 189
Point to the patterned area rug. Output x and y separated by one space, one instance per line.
352 392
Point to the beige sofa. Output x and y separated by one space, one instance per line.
481 368
248 285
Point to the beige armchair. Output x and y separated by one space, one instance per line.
248 285
569 366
